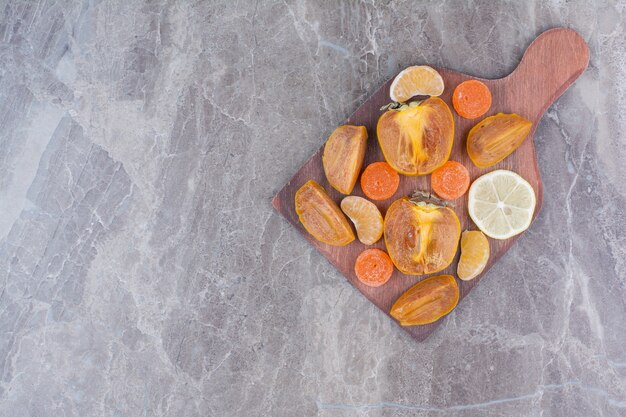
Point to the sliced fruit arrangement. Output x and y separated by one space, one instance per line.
417 139
474 254
321 217
427 301
367 220
496 137
501 204
379 181
421 238
343 157
471 99
421 233
419 80
450 181
373 267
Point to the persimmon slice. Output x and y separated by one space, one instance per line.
427 301
320 215
496 137
343 156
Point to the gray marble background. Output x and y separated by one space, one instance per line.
143 271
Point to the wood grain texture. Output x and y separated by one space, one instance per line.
551 63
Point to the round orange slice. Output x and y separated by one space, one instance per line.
419 80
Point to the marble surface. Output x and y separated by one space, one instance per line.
143 271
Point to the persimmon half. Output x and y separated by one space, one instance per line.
417 138
421 238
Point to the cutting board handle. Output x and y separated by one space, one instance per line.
551 63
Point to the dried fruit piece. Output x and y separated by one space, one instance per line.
343 156
379 181
373 267
471 99
450 181
421 238
416 140
366 218
496 137
474 254
321 217
427 301
501 203
419 80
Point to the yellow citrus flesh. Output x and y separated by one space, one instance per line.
501 204
474 254
366 218
419 80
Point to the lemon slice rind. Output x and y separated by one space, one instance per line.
501 204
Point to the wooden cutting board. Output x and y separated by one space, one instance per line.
551 63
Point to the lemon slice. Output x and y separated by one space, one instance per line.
366 218
501 203
419 80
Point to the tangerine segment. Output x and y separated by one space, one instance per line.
379 181
373 267
474 254
419 80
471 99
366 218
450 181
343 156
321 217
427 301
421 238
416 140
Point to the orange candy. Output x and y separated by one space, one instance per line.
379 181
373 267
450 181
471 99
